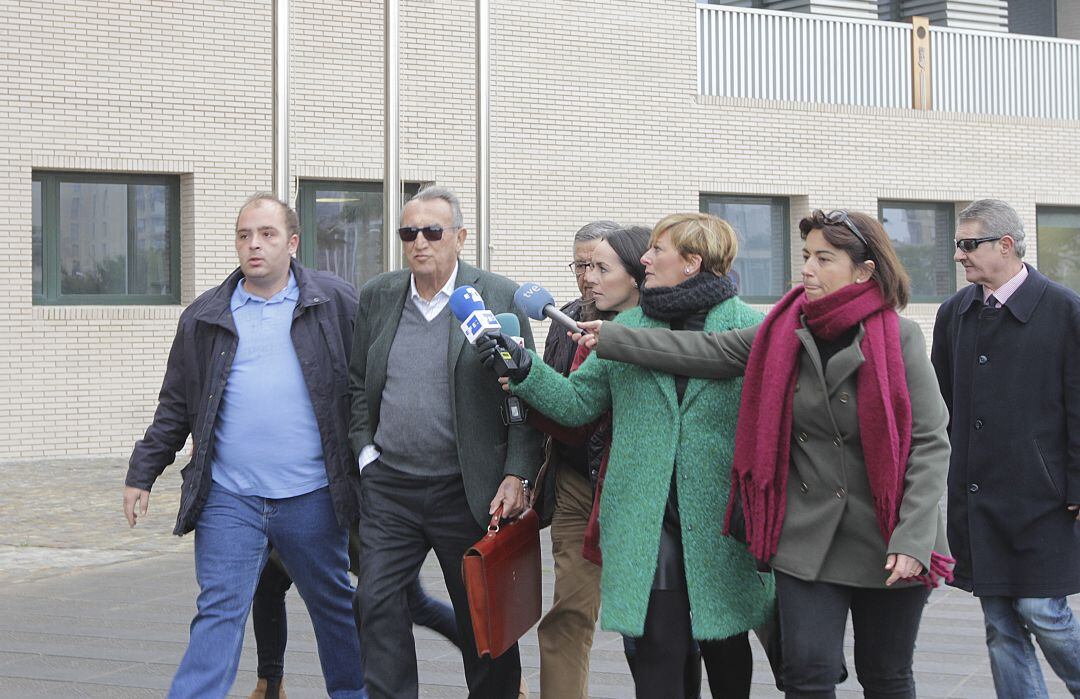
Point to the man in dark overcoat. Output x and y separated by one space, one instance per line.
1007 355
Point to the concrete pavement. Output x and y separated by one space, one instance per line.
91 608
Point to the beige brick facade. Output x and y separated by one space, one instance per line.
594 114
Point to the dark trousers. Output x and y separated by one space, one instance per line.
271 623
813 616
403 517
661 654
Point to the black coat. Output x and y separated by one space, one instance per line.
1011 380
199 362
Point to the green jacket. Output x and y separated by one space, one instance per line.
487 449
653 434
830 531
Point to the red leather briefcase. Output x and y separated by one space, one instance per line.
502 580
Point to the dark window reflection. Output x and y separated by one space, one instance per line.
150 274
762 267
1059 244
348 234
93 238
922 234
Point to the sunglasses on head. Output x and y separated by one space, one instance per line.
409 233
839 216
969 244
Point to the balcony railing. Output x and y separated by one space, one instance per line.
763 54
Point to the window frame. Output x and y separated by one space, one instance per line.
305 204
785 233
946 206
50 293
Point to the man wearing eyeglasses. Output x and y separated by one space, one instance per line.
1007 355
436 458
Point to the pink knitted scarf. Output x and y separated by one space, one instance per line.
763 436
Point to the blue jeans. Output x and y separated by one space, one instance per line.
232 540
1010 622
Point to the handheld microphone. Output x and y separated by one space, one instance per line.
535 302
511 327
469 309
514 411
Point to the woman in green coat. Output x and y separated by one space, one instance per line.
668 572
841 453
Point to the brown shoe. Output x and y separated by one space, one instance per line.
269 689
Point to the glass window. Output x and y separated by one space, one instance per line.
1058 238
36 237
106 238
762 269
922 233
342 226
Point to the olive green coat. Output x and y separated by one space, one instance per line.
652 435
830 531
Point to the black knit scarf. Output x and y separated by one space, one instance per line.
698 293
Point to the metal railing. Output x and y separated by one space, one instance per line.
1005 74
764 54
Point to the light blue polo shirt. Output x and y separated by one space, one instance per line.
266 440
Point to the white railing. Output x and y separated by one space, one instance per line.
1005 74
764 54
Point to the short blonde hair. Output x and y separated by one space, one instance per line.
705 235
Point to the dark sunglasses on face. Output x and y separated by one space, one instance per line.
969 244
840 216
408 233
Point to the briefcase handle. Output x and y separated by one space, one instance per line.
493 525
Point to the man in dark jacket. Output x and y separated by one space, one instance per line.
565 633
437 459
257 376
1006 353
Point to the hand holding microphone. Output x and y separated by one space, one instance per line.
500 352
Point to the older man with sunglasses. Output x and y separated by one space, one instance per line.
436 458
1006 354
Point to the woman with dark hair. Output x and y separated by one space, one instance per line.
841 453
669 576
613 277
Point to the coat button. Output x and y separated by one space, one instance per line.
836 440
844 397
803 488
979 424
974 487
689 527
801 436
983 359
840 493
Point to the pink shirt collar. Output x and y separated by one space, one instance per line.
1007 289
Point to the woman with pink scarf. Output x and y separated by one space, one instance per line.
841 453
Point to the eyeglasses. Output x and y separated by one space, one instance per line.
409 233
841 216
969 244
579 268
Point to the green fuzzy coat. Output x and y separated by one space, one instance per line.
652 434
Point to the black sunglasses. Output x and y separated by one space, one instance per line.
840 216
969 244
409 233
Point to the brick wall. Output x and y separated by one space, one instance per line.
594 115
